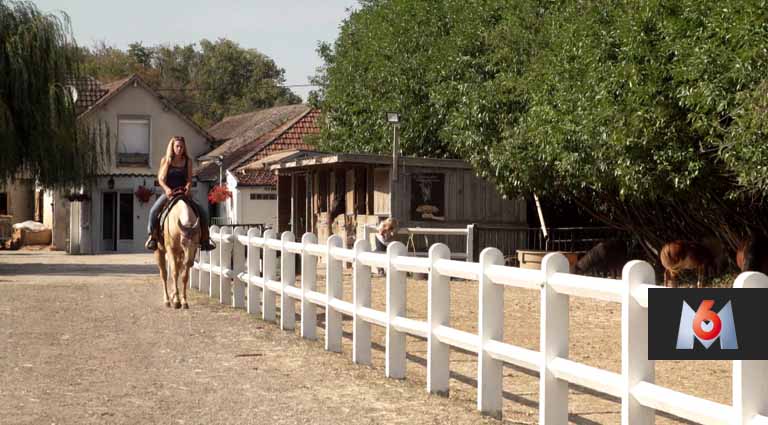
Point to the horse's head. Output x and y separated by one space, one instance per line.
188 223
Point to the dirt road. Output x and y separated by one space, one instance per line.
86 340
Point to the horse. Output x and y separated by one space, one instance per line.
181 239
752 254
605 258
678 255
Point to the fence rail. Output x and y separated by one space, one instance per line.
252 284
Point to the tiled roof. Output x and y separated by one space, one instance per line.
290 139
89 90
239 130
290 135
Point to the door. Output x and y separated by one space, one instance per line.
109 221
125 222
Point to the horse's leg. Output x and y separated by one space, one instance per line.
175 267
667 277
162 265
701 271
184 282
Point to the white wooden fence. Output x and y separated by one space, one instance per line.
640 396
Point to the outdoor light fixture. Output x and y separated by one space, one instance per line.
393 117
111 183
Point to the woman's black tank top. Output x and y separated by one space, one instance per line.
176 176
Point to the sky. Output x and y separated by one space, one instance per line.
285 30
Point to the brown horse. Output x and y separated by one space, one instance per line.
605 258
181 238
752 254
677 256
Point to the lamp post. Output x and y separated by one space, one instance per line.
394 119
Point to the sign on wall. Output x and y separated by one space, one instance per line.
428 197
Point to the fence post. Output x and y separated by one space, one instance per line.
750 377
333 290
361 297
308 280
225 251
438 314
194 275
396 297
491 326
214 256
287 278
471 243
270 260
205 276
254 269
238 264
635 366
553 392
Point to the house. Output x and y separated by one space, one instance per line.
244 140
334 193
140 123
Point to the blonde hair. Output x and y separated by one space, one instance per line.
389 226
168 157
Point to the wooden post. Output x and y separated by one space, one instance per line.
215 258
553 392
333 290
491 326
254 269
270 260
471 243
750 377
308 280
225 261
438 314
287 278
635 366
396 298
361 297
238 263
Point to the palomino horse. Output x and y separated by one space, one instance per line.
181 238
752 254
677 256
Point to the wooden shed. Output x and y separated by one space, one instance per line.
342 193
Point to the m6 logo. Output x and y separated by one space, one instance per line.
707 326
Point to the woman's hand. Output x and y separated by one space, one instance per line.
168 192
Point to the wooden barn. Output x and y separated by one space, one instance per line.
342 193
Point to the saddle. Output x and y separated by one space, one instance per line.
175 197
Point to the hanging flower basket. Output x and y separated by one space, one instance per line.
143 194
78 197
219 193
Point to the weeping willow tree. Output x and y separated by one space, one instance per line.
40 136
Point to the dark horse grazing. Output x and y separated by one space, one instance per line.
605 258
677 256
752 254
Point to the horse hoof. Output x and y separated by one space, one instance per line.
185 306
177 305
167 303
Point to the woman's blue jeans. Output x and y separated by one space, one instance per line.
154 214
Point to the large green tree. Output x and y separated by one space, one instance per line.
216 79
39 134
649 114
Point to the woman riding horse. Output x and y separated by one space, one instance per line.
175 176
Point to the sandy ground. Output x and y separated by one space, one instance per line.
86 339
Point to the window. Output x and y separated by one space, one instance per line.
133 141
263 196
3 203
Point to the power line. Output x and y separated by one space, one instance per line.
200 89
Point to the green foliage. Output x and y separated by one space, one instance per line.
647 113
218 79
39 134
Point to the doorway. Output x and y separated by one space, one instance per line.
109 221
